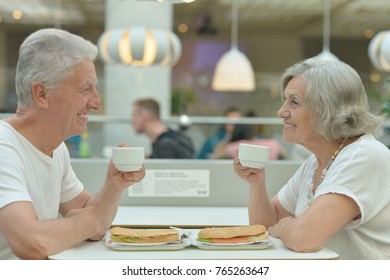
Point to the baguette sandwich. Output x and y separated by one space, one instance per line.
143 236
233 235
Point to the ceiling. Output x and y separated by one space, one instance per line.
53 12
349 18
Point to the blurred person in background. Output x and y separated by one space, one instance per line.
223 133
245 133
166 143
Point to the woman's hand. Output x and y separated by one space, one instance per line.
261 209
252 176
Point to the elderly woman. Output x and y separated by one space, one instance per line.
340 196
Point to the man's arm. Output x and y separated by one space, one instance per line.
107 199
85 217
30 238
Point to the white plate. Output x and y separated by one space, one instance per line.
235 244
164 247
170 245
262 244
147 244
253 246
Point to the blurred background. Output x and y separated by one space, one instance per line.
272 34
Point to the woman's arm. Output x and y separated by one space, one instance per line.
262 209
328 214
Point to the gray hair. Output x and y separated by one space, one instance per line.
48 56
335 97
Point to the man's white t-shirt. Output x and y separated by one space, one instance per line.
361 171
27 174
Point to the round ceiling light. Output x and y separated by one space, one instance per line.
139 46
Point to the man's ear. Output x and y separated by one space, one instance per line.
40 95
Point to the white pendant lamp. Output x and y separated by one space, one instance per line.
234 71
171 1
326 54
176 1
379 51
139 46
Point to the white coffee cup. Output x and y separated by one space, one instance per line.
254 156
128 158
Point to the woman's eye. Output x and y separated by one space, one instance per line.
295 102
292 101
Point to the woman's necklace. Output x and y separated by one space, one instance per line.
310 194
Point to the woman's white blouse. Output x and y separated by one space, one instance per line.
361 171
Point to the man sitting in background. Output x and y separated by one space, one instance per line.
166 143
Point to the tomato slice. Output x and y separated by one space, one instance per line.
234 240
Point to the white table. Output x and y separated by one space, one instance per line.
190 217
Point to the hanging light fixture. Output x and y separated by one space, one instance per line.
234 71
326 54
171 1
379 51
139 46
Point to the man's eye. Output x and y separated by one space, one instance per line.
86 91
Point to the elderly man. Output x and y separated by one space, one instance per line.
55 85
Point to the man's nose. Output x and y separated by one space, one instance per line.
94 101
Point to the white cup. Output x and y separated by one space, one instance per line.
128 158
254 156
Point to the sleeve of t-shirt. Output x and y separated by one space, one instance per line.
12 179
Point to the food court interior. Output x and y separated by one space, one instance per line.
272 34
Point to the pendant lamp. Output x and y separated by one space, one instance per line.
176 1
234 71
326 54
171 1
139 46
379 51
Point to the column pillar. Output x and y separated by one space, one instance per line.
124 84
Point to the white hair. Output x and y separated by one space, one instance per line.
48 56
335 97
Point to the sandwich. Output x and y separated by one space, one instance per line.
143 236
233 235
